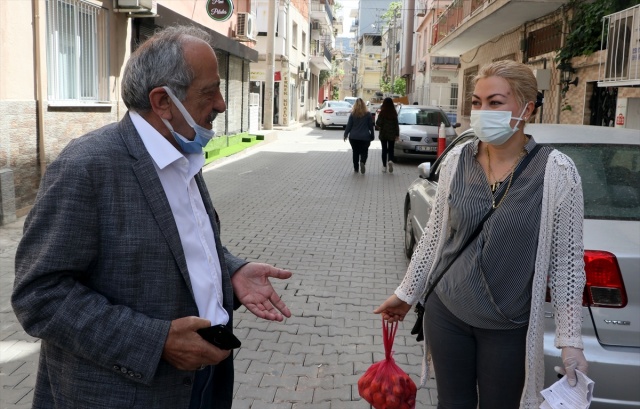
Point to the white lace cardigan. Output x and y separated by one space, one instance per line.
559 262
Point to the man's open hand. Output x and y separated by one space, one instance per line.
252 287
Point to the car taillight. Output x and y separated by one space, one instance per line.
328 111
604 287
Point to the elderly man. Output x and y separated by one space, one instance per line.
121 260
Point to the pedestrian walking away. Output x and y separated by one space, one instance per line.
360 133
122 263
387 123
492 243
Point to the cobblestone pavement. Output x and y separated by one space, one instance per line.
295 203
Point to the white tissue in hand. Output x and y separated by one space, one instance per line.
561 395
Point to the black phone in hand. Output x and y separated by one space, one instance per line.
220 336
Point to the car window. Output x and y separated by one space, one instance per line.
339 104
610 179
422 116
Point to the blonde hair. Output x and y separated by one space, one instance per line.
359 109
519 77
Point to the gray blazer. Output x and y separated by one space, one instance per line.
100 273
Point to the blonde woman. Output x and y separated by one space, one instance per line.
484 320
359 130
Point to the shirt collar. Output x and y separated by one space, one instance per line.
160 149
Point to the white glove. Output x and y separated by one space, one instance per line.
572 359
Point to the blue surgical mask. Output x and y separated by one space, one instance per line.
203 135
494 127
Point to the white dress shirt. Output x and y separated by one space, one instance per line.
176 171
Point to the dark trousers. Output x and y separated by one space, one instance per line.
474 364
360 151
387 152
201 394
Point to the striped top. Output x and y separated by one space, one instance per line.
489 284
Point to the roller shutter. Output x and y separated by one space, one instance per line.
235 98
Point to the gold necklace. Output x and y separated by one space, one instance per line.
494 186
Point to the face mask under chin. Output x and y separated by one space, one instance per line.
202 136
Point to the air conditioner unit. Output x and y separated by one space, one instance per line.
136 8
622 59
245 29
307 75
423 66
302 66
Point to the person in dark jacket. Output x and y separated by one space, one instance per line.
387 123
359 130
121 261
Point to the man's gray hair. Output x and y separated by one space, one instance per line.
159 61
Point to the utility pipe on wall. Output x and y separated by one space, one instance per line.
42 160
271 61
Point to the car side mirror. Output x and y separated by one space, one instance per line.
424 170
318 107
456 125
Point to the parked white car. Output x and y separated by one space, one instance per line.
333 113
608 160
351 100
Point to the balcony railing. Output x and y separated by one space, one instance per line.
327 53
621 65
445 60
320 50
317 7
453 17
327 8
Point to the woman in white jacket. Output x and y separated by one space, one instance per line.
483 322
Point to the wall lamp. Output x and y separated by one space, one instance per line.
566 75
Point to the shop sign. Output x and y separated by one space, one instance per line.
257 75
439 80
220 10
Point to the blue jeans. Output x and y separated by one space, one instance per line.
474 364
387 152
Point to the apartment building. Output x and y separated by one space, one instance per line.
369 28
62 62
598 89
433 79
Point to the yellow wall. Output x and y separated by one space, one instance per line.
16 52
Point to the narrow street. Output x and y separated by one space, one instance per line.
297 203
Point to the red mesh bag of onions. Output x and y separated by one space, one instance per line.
385 385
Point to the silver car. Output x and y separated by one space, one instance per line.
419 126
333 113
608 160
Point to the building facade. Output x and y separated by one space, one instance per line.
294 46
370 50
600 89
434 78
61 75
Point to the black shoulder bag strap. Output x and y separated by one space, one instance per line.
516 173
